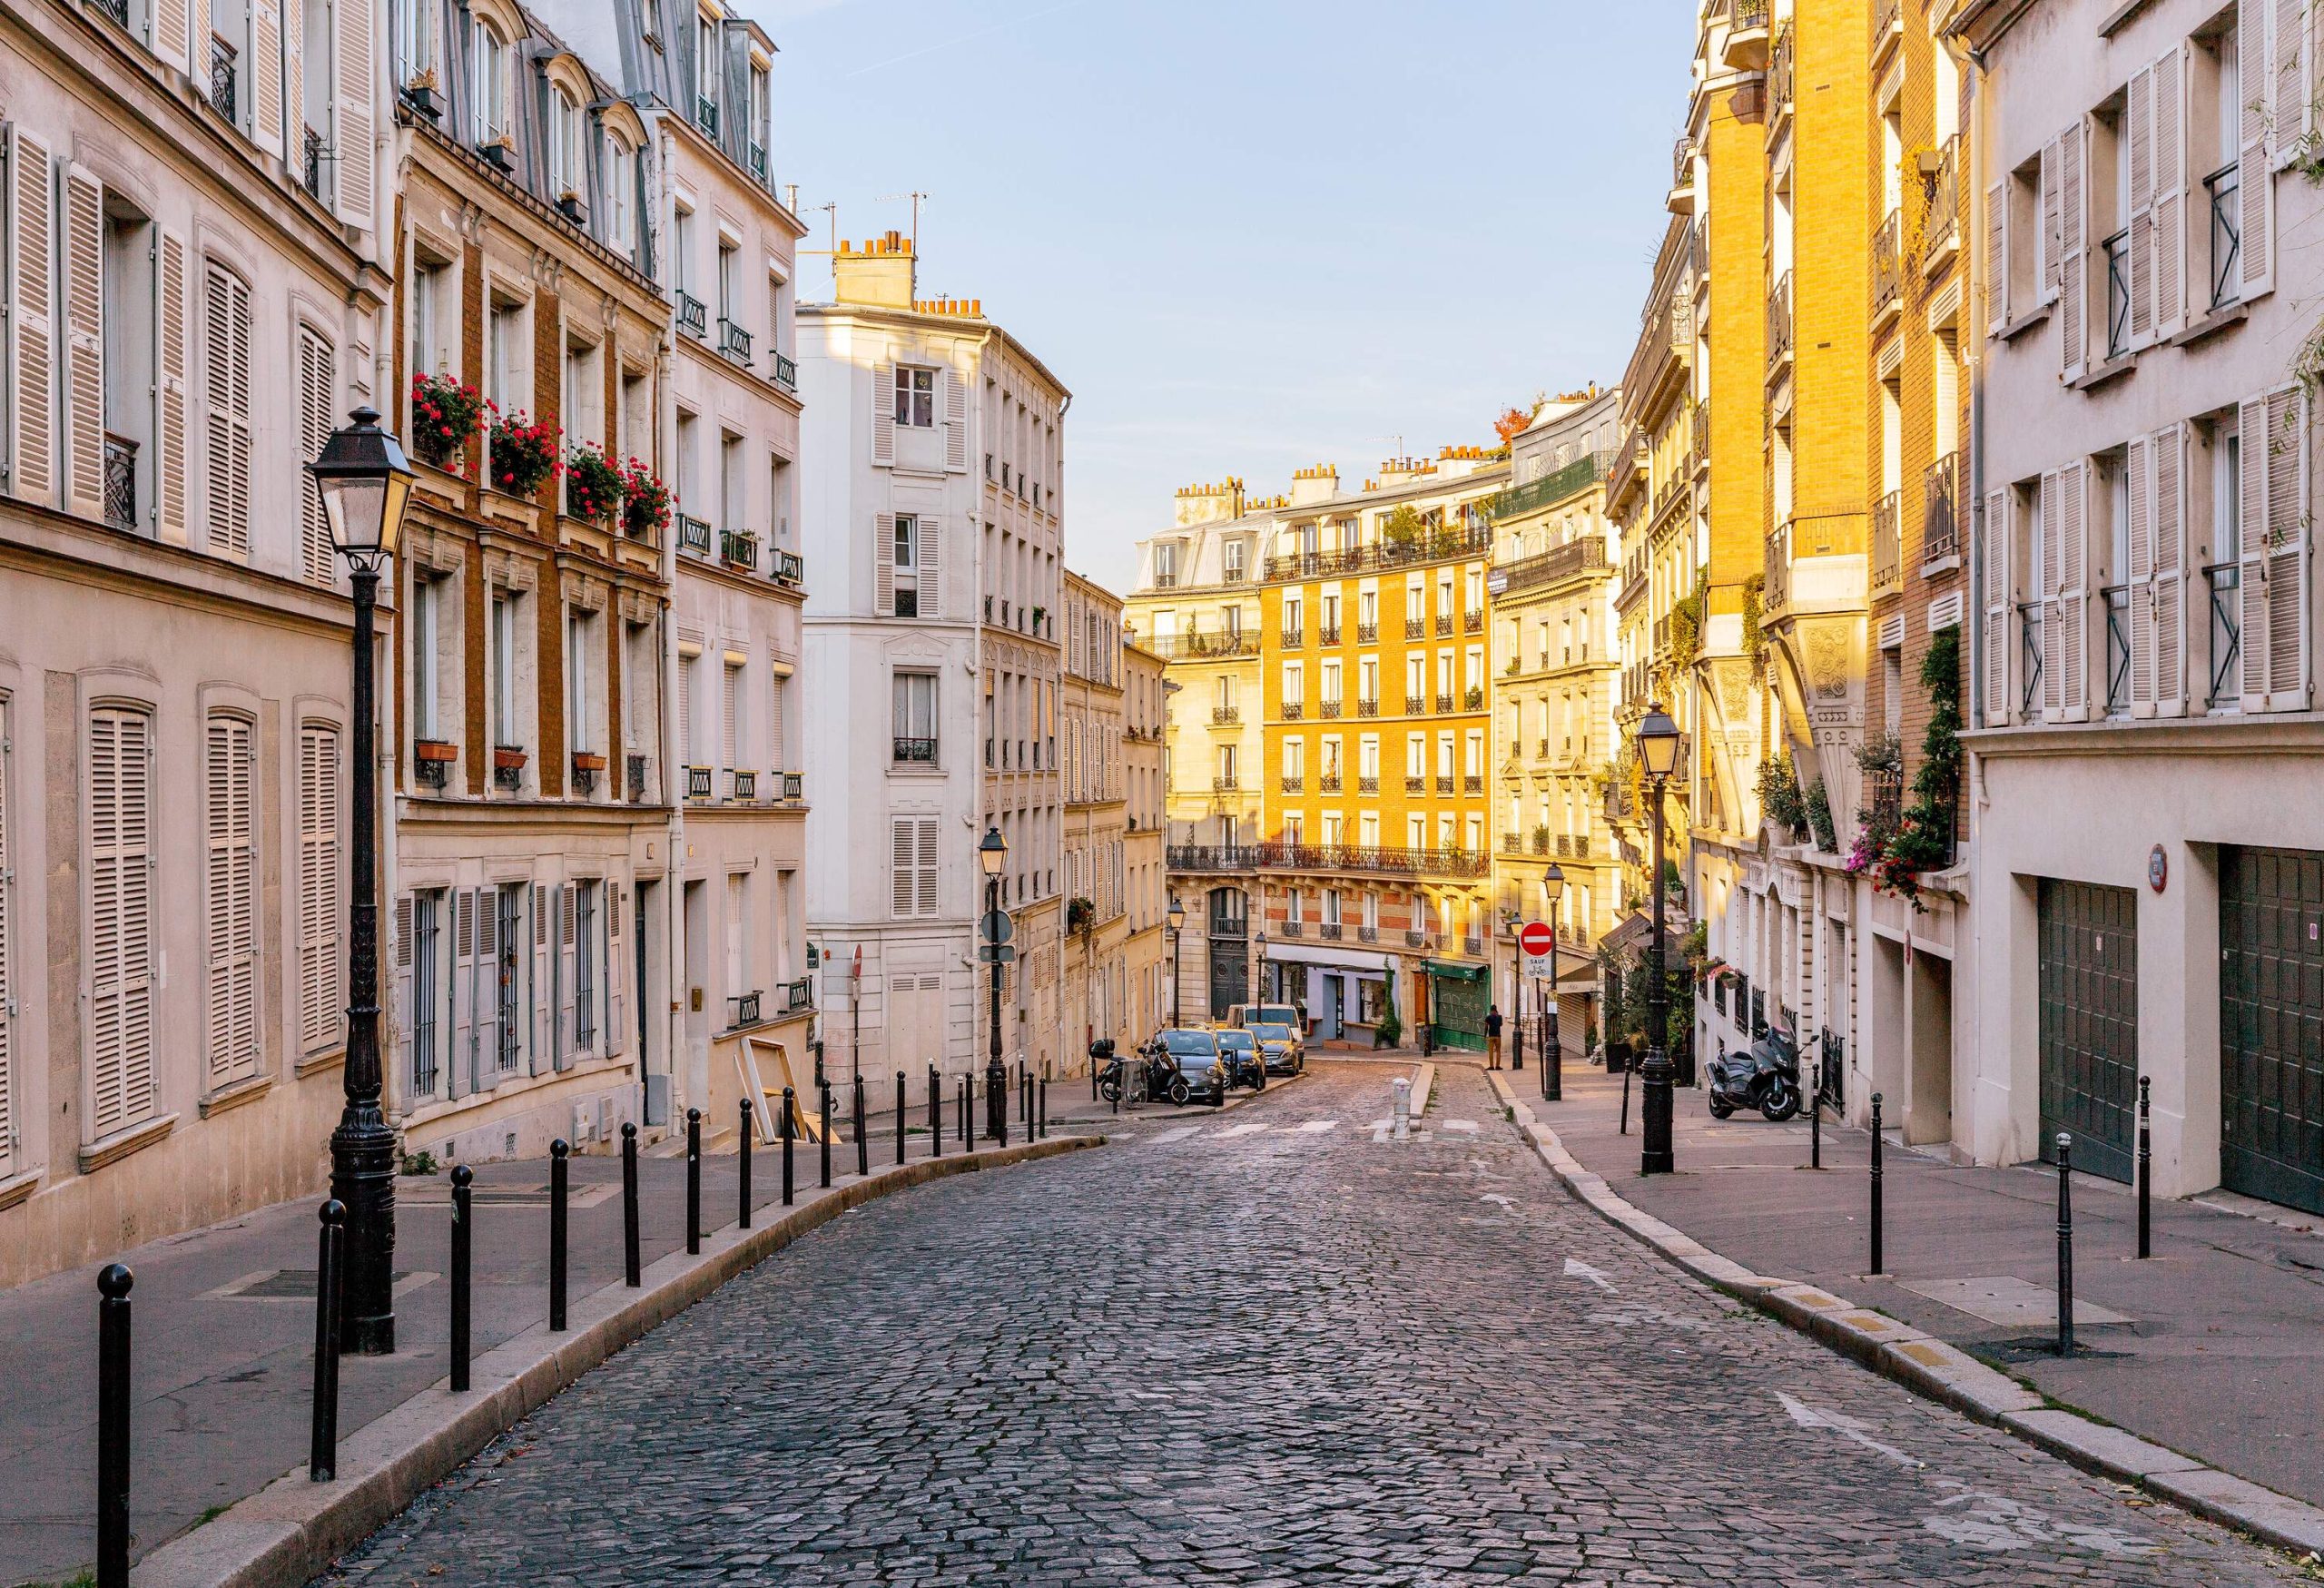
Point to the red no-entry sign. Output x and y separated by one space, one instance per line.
1536 939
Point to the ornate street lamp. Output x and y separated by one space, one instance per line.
364 482
1178 920
1553 1054
992 854
1658 748
1259 967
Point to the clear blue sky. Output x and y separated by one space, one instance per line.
1256 236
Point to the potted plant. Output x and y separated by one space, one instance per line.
508 764
1080 914
500 153
523 454
645 501
432 760
420 93
445 416
593 485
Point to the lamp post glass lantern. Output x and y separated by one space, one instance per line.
1178 920
1658 748
1553 1054
364 483
992 854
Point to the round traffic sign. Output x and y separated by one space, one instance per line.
1536 938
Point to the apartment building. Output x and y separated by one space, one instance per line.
195 215
2145 746
532 850
1094 766
1145 860
932 498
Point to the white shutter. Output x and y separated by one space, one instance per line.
404 1075
540 1045
2073 592
903 857
8 986
459 1057
613 1043
198 47
2167 236
2138 249
2046 509
1997 257
170 390
2286 551
883 570
2168 607
924 867
2256 192
2290 103
121 922
229 923
928 548
84 344
32 308
568 1005
170 22
730 705
321 994
352 91
317 559
955 423
2052 210
2074 338
294 88
2252 551
490 955
266 74
226 388
883 413
2139 483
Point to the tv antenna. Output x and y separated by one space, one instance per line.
917 200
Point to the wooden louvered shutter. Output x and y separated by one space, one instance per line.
2167 607
461 1055
318 560
32 308
169 389
568 993
266 74
231 907
321 995
2138 136
539 1044
2053 618
198 47
84 344
120 921
2290 106
955 423
2167 236
170 23
903 849
2285 552
294 88
2255 193
686 668
226 384
353 170
2074 297
7 984
1997 257
2251 550
2074 594
928 559
2052 210
924 867
730 712
2138 486
612 1045
883 568
883 413
494 959
400 1006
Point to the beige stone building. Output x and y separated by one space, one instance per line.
1096 984
1145 949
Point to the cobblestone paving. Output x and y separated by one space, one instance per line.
1261 1354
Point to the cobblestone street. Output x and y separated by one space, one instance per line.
1274 1348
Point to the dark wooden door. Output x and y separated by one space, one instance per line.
2089 1023
2272 1025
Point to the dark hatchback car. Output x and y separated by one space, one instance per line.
1201 1069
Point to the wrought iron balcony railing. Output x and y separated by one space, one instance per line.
1226 714
733 342
1941 228
121 481
1779 322
694 535
790 568
2117 251
738 548
1887 277
742 785
222 79
1941 504
1324 857
786 371
693 315
922 752
1887 546
1367 633
697 783
705 113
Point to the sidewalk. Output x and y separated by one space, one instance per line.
224 1329
2214 1347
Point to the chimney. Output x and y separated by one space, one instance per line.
880 274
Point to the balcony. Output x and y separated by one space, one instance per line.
1472 946
1293 782
1567 561
1324 857
2223 189
223 97
1182 647
1779 326
1887 17
1328 784
742 785
757 160
1329 932
743 1010
1541 751
1940 513
1294 711
1887 280
1941 229
1367 786
1472 621
1779 64
1415 785
705 113
1681 200
1775 594
1367 633
121 481
1414 940
733 342
913 752
1466 540
1330 710
1887 549
1292 639
1746 35
1226 782
693 315
697 783
1368 935
1444 783
2225 582
1472 783
1330 636
311 155
1222 714
795 788
786 372
1369 706
1416 627
1444 701
2117 598
1473 698
1444 623
738 548
1414 704
793 996
789 569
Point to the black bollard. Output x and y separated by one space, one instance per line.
824 1086
900 1116
968 1140
112 1426
995 1104
694 1182
789 1109
1875 1184
323 1446
2065 1245
862 1147
1552 1066
463 1268
743 1165
559 1187
2146 1167
935 1112
1626 1096
1517 1043
1045 1108
1815 1121
629 1258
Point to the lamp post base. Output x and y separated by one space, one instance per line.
363 1177
1655 1154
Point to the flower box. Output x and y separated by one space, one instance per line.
588 761
438 750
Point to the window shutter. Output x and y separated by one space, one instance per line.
1994 569
400 1004
2256 194
2290 103
925 866
2167 236
2252 552
730 705
2287 551
170 390
568 1005
170 19
686 667
2072 292
32 347
84 345
2074 594
294 88
229 913
319 989
318 560
350 118
2052 211
226 325
198 47
7 987
2138 469
884 573
883 413
903 857
2168 605
121 1024
1997 257
613 1043
956 424
2138 259
927 544
2052 619
266 74
461 1056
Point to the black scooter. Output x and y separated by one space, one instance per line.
1765 1075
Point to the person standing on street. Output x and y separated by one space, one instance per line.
1492 1036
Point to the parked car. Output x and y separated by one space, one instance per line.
1200 1069
1276 1014
1281 1048
1245 1066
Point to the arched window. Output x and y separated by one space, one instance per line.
621 192
490 90
564 144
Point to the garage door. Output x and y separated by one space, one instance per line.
2089 1023
2272 1025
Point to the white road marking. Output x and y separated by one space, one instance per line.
1176 1133
1840 1423
1501 1202
1312 1126
1468 1125
1994 1523
1234 1130
1575 1267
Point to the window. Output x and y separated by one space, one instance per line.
705 70
321 991
318 557
490 92
229 898
509 353
1237 552
435 312
121 919
621 193
423 945
916 398
226 322
914 710
563 145
904 566
586 928
581 689
507 731
426 623
913 845
732 746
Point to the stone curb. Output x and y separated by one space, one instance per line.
1930 1367
281 1536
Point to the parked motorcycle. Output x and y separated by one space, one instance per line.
1765 1075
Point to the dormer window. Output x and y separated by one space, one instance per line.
621 193
563 145
490 95
706 74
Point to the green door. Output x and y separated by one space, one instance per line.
2089 1023
2272 1025
1458 1006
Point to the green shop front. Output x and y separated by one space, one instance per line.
1458 996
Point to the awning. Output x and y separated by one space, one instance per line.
1453 971
1300 953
